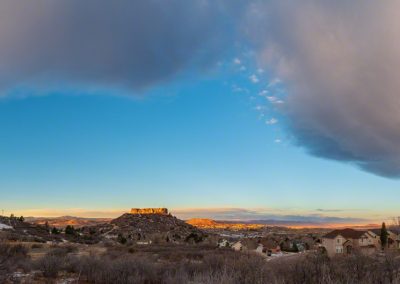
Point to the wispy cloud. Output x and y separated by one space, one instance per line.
271 121
329 210
237 61
254 79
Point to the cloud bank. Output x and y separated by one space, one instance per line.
340 63
266 216
126 43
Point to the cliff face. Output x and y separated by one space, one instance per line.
162 211
202 222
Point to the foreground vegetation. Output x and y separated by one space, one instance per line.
39 263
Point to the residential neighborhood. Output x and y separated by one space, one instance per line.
348 241
338 242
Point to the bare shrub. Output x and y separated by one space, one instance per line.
37 246
123 270
50 265
13 250
12 256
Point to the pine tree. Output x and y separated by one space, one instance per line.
384 236
121 239
55 231
69 230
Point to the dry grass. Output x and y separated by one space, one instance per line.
12 257
194 264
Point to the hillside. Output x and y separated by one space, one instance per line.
63 221
14 229
202 222
146 228
212 224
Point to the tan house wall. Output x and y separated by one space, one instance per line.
377 240
335 246
367 240
394 237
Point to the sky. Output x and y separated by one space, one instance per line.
232 110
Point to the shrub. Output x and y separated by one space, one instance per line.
12 257
50 265
37 246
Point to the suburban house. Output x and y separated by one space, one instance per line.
346 241
268 247
296 245
393 238
223 243
238 246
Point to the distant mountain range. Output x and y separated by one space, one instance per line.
254 224
212 224
63 221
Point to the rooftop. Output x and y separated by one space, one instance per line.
346 233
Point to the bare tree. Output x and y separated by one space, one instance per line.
395 223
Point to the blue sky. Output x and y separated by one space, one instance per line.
221 135
195 143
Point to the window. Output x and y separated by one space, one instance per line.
339 249
339 240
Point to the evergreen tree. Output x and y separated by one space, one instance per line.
55 231
69 230
384 236
121 239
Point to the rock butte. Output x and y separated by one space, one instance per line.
162 211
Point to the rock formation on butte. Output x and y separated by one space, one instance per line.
162 211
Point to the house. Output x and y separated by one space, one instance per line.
268 247
238 246
299 246
346 241
223 243
294 245
393 238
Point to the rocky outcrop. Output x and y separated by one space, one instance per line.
155 226
148 227
162 211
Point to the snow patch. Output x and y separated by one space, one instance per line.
5 227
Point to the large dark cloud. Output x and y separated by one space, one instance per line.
125 42
340 62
